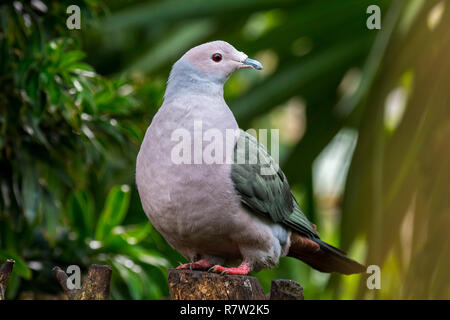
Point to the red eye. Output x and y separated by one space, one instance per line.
217 57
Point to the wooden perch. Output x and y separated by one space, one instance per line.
5 272
199 285
282 289
95 286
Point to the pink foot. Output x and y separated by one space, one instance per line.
201 264
243 269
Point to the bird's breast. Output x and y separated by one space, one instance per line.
186 194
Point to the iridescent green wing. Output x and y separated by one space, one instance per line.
263 187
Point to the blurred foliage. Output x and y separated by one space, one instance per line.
74 106
69 140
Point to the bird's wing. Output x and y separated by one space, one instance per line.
263 187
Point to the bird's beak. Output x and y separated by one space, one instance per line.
250 63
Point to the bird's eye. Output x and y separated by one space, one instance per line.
217 57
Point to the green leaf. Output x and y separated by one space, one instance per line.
70 58
137 233
80 66
80 210
114 211
135 286
150 257
20 267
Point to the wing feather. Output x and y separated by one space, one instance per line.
263 187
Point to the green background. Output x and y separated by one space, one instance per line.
364 121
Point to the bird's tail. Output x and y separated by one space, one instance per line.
323 256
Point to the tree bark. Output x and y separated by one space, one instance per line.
5 272
199 285
95 286
282 289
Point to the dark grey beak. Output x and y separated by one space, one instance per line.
253 64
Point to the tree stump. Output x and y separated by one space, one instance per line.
200 285
95 286
5 272
282 289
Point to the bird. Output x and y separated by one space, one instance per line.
225 216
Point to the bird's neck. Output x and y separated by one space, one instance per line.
185 80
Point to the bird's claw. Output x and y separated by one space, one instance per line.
181 265
243 269
196 265
219 269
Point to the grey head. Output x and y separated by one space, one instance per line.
206 68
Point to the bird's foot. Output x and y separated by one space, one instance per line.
243 269
197 265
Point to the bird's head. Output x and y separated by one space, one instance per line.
214 61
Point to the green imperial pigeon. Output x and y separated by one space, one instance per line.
200 189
